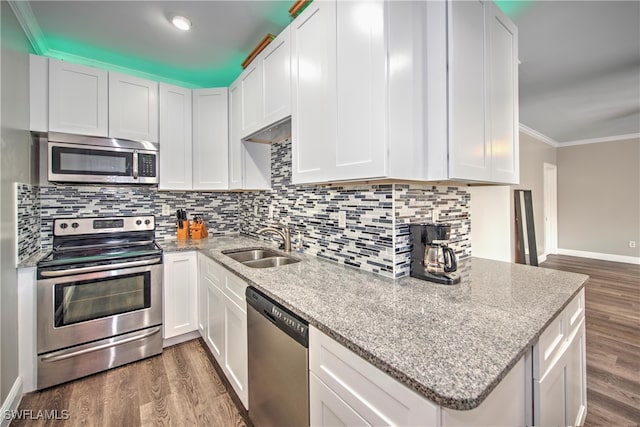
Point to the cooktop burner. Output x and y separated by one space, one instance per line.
84 241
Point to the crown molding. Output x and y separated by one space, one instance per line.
539 136
26 18
603 139
83 60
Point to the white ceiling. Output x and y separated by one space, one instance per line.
580 68
579 72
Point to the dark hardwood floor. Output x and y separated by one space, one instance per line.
182 388
178 388
613 338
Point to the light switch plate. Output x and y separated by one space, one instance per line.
342 219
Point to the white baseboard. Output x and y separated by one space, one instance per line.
542 258
11 403
180 339
601 256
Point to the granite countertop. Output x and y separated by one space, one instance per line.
452 344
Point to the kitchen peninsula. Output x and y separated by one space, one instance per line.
453 345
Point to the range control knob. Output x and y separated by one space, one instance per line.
147 221
75 225
64 225
139 222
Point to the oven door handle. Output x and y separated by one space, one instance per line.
59 273
66 354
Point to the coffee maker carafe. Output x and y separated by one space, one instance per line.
431 258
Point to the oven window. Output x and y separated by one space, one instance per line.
93 299
83 161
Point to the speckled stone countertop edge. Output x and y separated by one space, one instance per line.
34 259
397 374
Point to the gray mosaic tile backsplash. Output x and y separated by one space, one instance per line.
28 203
220 210
365 242
375 237
416 204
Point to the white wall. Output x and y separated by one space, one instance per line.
599 199
491 231
15 142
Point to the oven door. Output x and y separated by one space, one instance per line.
80 308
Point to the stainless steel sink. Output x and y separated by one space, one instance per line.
259 258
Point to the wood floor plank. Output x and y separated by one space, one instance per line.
612 311
86 407
121 404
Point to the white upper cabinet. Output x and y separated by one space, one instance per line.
249 162
133 108
78 99
175 138
235 141
265 86
483 88
313 100
210 139
404 90
275 63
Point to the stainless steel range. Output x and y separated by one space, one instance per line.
99 297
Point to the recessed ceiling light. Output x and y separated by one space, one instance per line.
181 23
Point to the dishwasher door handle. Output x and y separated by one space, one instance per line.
270 317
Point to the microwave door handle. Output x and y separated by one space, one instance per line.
135 164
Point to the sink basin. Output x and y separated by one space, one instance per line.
260 258
275 261
243 255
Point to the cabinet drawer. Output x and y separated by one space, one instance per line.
575 312
214 272
373 395
234 290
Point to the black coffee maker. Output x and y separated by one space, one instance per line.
431 257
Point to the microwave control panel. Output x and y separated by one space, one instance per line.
147 165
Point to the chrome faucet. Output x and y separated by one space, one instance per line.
285 233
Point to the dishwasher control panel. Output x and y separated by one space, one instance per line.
292 325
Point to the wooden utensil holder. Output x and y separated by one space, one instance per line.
183 233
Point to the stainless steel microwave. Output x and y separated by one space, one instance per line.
78 158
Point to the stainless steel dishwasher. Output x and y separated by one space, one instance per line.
278 346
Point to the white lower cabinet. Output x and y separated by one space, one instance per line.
224 323
346 389
180 300
559 369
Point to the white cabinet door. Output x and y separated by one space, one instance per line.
214 328
175 138
236 356
469 148
360 146
483 93
327 409
180 298
550 393
251 88
502 92
78 99
313 101
202 297
133 108
210 139
275 64
576 393
235 140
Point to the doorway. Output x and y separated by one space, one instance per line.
550 172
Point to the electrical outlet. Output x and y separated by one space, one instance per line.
342 219
434 215
632 243
271 209
166 210
255 210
